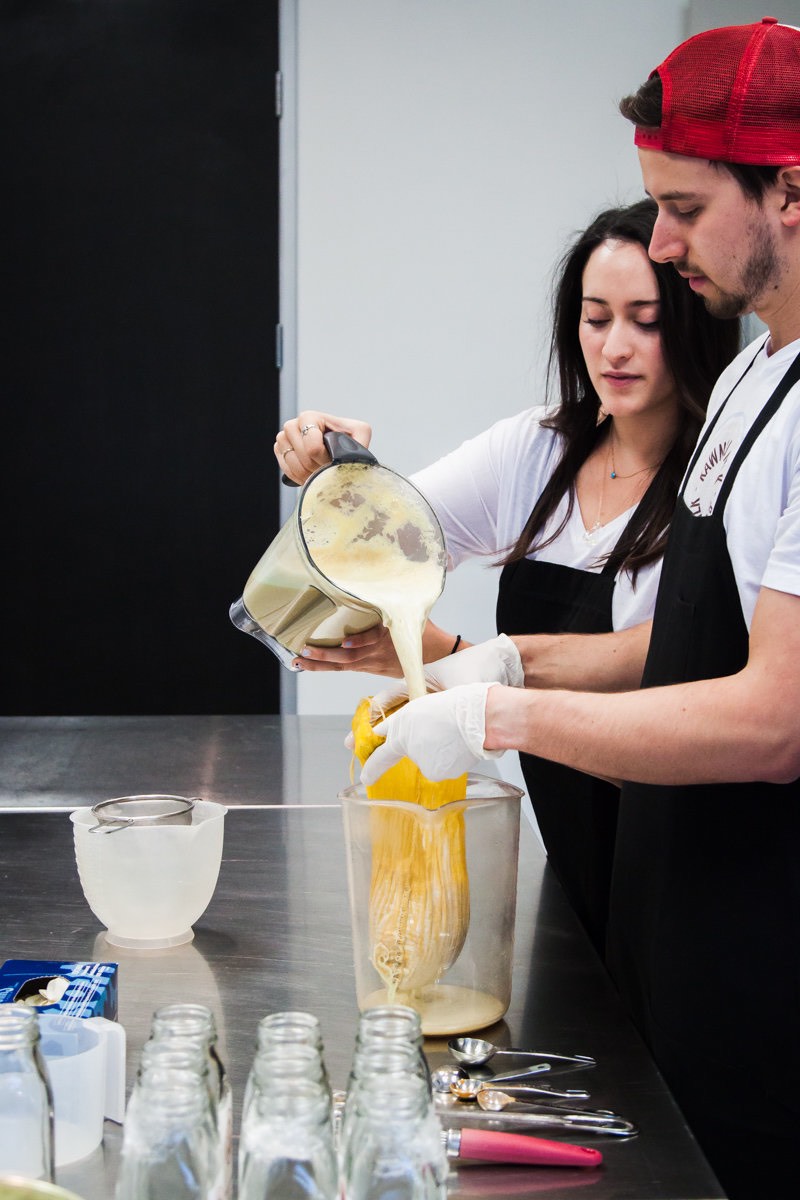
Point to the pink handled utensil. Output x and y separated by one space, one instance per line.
490 1146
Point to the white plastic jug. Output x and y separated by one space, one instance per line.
85 1059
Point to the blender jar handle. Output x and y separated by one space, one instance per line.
342 449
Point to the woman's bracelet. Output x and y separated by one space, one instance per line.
456 644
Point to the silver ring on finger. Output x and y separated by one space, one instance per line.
306 428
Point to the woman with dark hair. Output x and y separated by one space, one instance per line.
574 500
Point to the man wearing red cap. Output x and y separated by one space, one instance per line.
704 932
706 948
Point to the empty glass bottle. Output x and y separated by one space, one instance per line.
386 1061
392 1023
396 1150
195 1023
169 1058
169 1140
290 1026
283 1063
286 1148
26 1101
285 1041
399 1019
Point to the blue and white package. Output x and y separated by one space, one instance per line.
76 989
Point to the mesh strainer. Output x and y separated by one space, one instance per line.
123 812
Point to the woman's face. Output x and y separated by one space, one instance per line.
620 331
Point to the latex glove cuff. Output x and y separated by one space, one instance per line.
495 661
512 660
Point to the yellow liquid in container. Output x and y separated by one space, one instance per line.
419 895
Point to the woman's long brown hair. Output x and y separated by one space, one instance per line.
696 348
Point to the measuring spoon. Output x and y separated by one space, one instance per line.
472 1089
474 1052
443 1077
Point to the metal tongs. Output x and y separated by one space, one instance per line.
549 1116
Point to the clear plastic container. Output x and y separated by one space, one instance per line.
149 884
85 1060
433 903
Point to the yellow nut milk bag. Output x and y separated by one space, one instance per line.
419 894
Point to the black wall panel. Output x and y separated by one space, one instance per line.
139 269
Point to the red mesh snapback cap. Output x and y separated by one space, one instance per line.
733 95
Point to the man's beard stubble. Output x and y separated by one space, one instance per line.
761 270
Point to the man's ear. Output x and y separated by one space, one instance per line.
788 184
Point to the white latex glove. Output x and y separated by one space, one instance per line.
442 733
495 661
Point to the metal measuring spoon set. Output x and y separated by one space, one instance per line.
517 1102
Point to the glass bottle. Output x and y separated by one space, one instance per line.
398 1018
392 1023
291 1026
168 1146
383 1060
396 1150
284 1062
195 1023
286 1148
282 1033
26 1100
173 1056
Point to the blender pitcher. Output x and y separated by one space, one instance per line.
361 543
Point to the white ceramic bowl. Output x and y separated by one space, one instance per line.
149 885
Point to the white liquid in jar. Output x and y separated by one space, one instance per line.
445 1008
373 536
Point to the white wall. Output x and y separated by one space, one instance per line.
445 151
437 156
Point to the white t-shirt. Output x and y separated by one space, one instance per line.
762 515
483 494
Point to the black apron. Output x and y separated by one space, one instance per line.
704 923
577 814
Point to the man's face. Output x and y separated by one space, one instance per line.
724 243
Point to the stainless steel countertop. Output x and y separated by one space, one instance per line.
277 934
57 761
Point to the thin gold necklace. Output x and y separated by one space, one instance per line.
588 534
614 473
